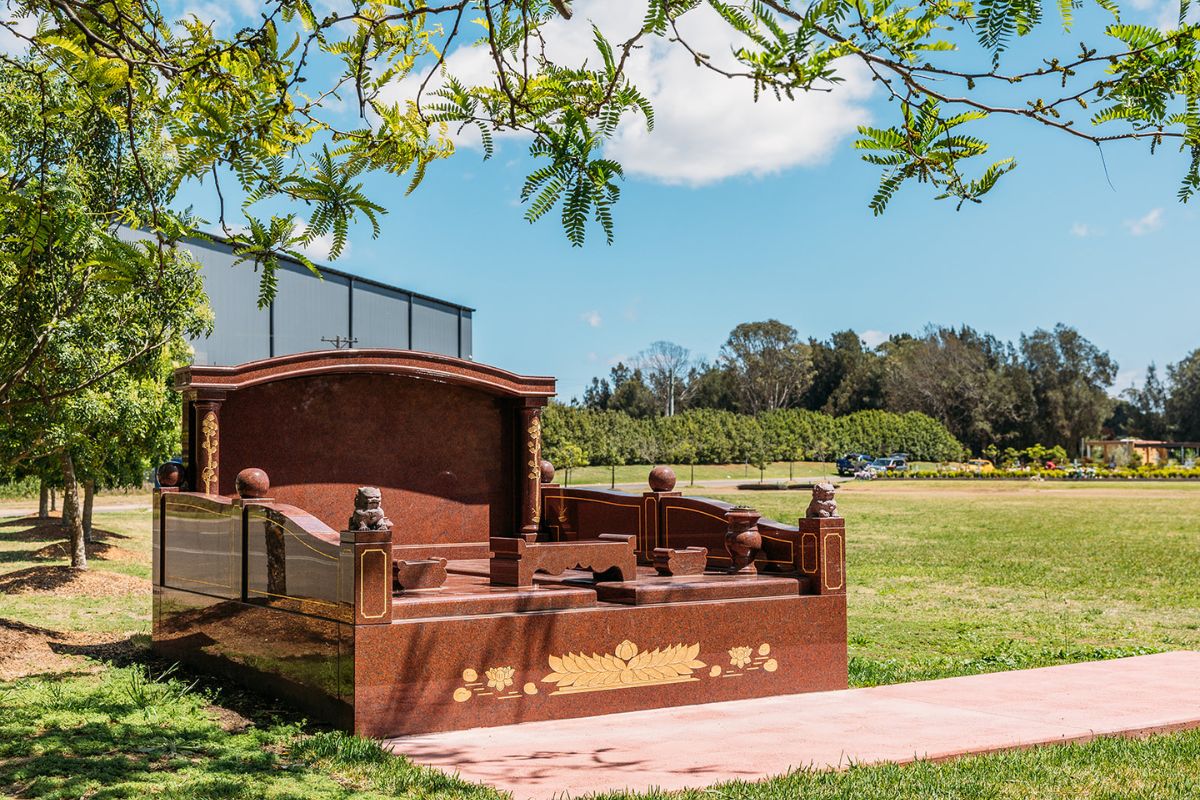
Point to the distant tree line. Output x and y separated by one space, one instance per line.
575 437
1051 387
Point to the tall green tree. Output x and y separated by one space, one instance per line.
1146 407
771 366
847 375
972 383
82 312
1183 406
1071 378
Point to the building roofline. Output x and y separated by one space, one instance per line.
210 238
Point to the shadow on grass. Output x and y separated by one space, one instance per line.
46 530
138 729
134 652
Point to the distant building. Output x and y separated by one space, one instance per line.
311 313
1148 451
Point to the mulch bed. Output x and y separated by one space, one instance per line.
30 650
67 582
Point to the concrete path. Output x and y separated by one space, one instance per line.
696 746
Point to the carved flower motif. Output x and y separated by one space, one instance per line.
626 650
499 678
739 656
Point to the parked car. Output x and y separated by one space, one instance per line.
889 464
851 463
981 465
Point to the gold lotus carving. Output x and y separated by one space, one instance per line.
625 668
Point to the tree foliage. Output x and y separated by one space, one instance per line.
770 365
1183 405
988 393
90 324
1070 378
972 383
708 436
261 106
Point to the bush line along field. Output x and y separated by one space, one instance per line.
944 579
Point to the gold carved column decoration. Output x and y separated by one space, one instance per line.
530 470
207 443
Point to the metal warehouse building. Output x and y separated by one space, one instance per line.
311 313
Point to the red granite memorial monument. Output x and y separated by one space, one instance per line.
374 535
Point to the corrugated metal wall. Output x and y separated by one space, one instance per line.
308 309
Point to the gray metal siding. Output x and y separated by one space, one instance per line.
465 326
434 327
380 316
308 309
241 330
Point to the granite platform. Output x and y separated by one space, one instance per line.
696 746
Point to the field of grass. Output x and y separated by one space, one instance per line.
122 547
944 579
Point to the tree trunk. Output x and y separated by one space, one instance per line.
89 497
53 499
43 500
71 515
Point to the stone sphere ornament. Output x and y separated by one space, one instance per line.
547 471
170 475
252 482
662 479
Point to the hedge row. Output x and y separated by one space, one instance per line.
577 437
1100 473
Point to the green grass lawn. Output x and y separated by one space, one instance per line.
944 579
123 539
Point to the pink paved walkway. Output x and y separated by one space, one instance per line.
696 746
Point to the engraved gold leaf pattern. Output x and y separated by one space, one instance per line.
209 428
625 668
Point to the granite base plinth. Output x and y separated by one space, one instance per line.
471 655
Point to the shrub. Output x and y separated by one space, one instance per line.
708 436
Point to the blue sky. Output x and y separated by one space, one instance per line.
712 232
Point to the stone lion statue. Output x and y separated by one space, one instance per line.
823 504
368 514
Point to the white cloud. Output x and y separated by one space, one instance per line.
873 338
1150 222
1083 230
319 248
592 318
707 127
